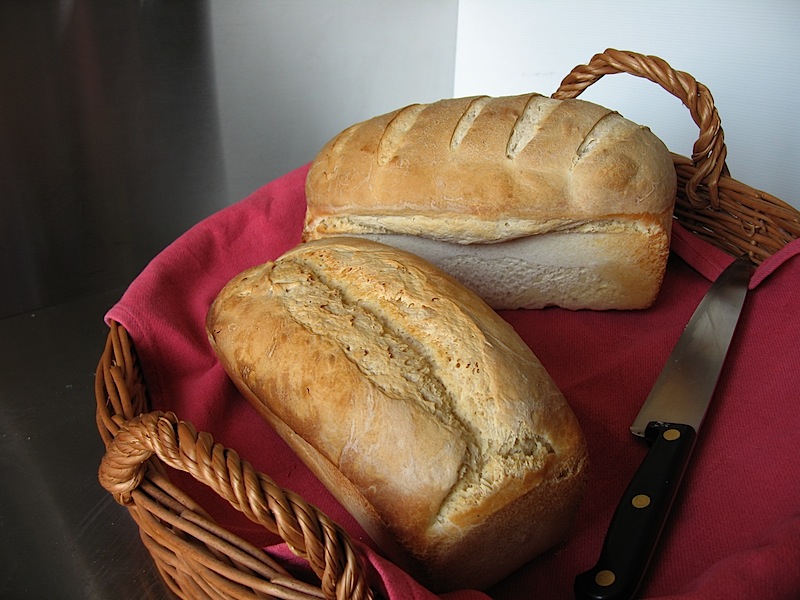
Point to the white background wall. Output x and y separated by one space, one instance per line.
290 74
746 52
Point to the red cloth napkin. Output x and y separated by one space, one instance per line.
735 529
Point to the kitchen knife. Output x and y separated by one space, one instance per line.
668 421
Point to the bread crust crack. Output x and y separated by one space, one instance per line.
419 408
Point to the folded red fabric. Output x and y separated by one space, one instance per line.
735 529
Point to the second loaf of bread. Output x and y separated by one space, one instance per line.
528 200
422 410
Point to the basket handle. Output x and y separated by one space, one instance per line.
309 533
709 152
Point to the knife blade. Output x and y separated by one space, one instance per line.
668 421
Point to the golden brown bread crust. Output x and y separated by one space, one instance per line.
485 170
416 404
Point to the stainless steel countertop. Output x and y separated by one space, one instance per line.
61 534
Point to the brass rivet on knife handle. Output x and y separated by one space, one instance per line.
641 501
605 578
671 435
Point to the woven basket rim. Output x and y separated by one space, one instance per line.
189 549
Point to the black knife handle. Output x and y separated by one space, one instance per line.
640 516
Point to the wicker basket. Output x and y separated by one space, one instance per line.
199 559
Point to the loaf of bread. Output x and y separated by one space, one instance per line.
421 409
527 200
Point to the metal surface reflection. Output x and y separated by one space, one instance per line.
109 150
61 534
109 142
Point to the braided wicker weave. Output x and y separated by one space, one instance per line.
196 557
199 559
710 203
